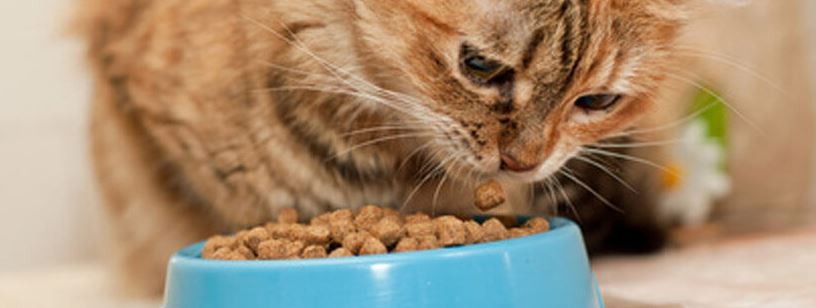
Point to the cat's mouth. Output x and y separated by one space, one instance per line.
499 168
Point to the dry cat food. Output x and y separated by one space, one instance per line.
371 230
489 196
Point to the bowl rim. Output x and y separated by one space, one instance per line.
561 229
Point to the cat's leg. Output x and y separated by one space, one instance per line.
148 220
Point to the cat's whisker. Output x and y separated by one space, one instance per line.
437 191
333 69
571 205
570 175
630 158
724 59
636 145
414 153
608 172
674 124
380 140
551 193
383 128
303 73
333 90
718 97
424 180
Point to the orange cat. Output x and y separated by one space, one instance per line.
212 115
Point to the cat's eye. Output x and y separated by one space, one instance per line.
597 102
481 68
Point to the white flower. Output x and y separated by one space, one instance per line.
693 179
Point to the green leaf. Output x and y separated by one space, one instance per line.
714 113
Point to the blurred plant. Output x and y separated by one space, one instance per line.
696 176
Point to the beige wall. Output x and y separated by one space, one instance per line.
771 163
45 204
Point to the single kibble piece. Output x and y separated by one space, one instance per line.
428 243
407 244
450 231
237 256
474 233
389 212
341 215
321 220
508 220
239 238
388 230
355 241
222 253
215 243
275 249
314 252
295 231
294 248
494 230
372 246
245 252
276 230
420 229
340 229
288 216
519 232
340 253
537 225
489 196
316 235
367 217
254 237
418 217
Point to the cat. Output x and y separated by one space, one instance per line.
213 115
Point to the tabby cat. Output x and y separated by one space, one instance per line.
211 115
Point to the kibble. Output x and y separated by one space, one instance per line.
388 230
354 241
372 246
340 253
369 231
314 252
489 196
367 217
450 231
537 225
254 237
494 230
288 216
407 244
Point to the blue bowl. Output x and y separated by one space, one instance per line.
545 270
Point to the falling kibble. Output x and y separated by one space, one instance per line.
489 195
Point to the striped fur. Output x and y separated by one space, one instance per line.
212 115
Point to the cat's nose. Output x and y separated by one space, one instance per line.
511 163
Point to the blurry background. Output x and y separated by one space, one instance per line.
48 211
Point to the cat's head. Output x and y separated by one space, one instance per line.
517 87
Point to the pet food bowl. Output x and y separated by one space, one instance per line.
545 270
